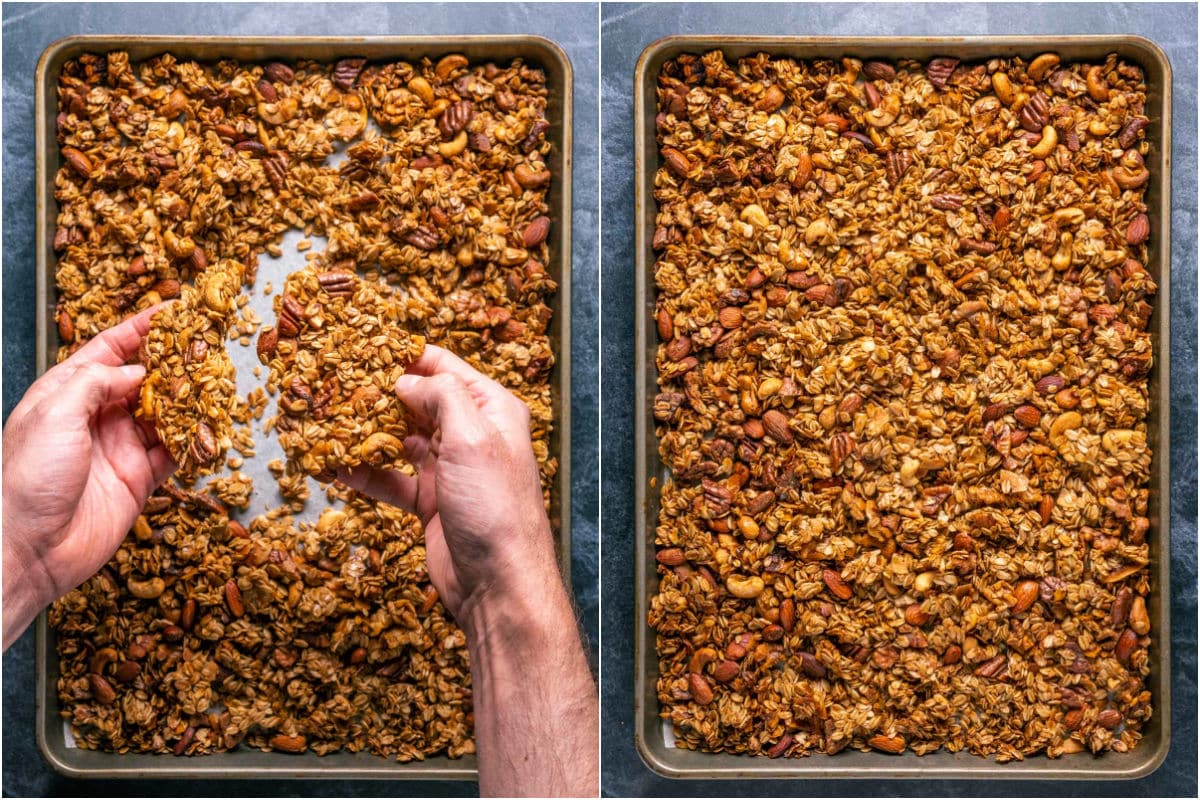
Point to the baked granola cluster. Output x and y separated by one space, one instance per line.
336 354
902 398
190 381
203 633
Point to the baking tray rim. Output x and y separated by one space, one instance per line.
308 766
731 766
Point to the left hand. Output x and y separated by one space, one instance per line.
77 470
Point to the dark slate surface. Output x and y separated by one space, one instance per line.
28 29
625 31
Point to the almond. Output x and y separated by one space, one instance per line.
1120 607
836 585
995 411
1126 644
1051 384
1026 594
952 655
811 666
670 556
915 615
730 317
233 597
787 614
1027 415
772 633
726 671
676 161
128 671
701 692
1138 230
536 232
1067 399
289 744
780 747
102 690
1109 718
666 328
887 744
1073 719
775 424
679 349
77 161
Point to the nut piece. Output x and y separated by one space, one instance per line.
1138 231
289 744
776 425
1126 644
346 72
746 588
1139 617
536 231
836 585
233 598
702 693
893 745
1025 595
1041 66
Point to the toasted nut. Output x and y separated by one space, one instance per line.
670 556
701 692
1041 66
77 161
666 328
776 426
878 71
1109 718
148 589
747 588
887 744
952 655
454 146
1050 384
771 99
1097 87
915 615
536 231
1139 617
754 214
1025 595
1003 88
289 744
885 113
747 527
449 66
836 584
102 691
421 88
701 659
1120 607
233 598
811 666
1047 144
924 582
1138 231
530 178
1126 644
726 671
1027 415
676 161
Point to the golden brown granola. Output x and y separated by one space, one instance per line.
170 161
190 382
903 316
335 354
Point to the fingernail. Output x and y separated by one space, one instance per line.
406 383
133 371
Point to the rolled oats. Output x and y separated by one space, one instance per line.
902 399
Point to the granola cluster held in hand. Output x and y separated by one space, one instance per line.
190 382
902 398
335 355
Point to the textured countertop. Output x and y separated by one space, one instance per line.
28 29
625 31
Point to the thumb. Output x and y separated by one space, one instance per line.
94 386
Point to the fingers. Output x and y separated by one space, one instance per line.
91 387
119 343
389 486
162 466
437 361
443 401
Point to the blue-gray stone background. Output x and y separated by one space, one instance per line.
29 28
626 29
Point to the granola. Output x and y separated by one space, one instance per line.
902 398
190 381
335 355
283 640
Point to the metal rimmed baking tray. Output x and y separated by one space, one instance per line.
535 50
649 733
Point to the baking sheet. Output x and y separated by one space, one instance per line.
53 735
654 744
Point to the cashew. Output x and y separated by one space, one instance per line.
769 387
1097 87
421 88
755 215
924 582
330 519
1097 128
1003 88
141 529
378 446
748 527
745 588
1042 65
885 113
701 659
454 146
1046 146
1067 421
449 65
1128 178
1069 216
149 589
278 113
1063 257
816 231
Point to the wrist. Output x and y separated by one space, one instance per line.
27 588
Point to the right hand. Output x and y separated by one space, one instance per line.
477 488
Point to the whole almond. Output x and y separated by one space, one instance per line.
772 633
1051 384
836 585
1073 719
878 71
233 597
102 690
1001 219
995 411
755 279
289 744
775 424
167 288
1138 230
887 744
128 671
811 666
77 161
187 618
754 429
787 614
730 317
670 556
915 615
679 348
780 747
1109 718
267 340
1026 594
771 99
1027 415
725 671
666 328
1046 508
536 232
676 161
1126 644
701 691
267 91
952 655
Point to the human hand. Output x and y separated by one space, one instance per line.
77 471
477 489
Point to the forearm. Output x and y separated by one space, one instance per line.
25 585
536 712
